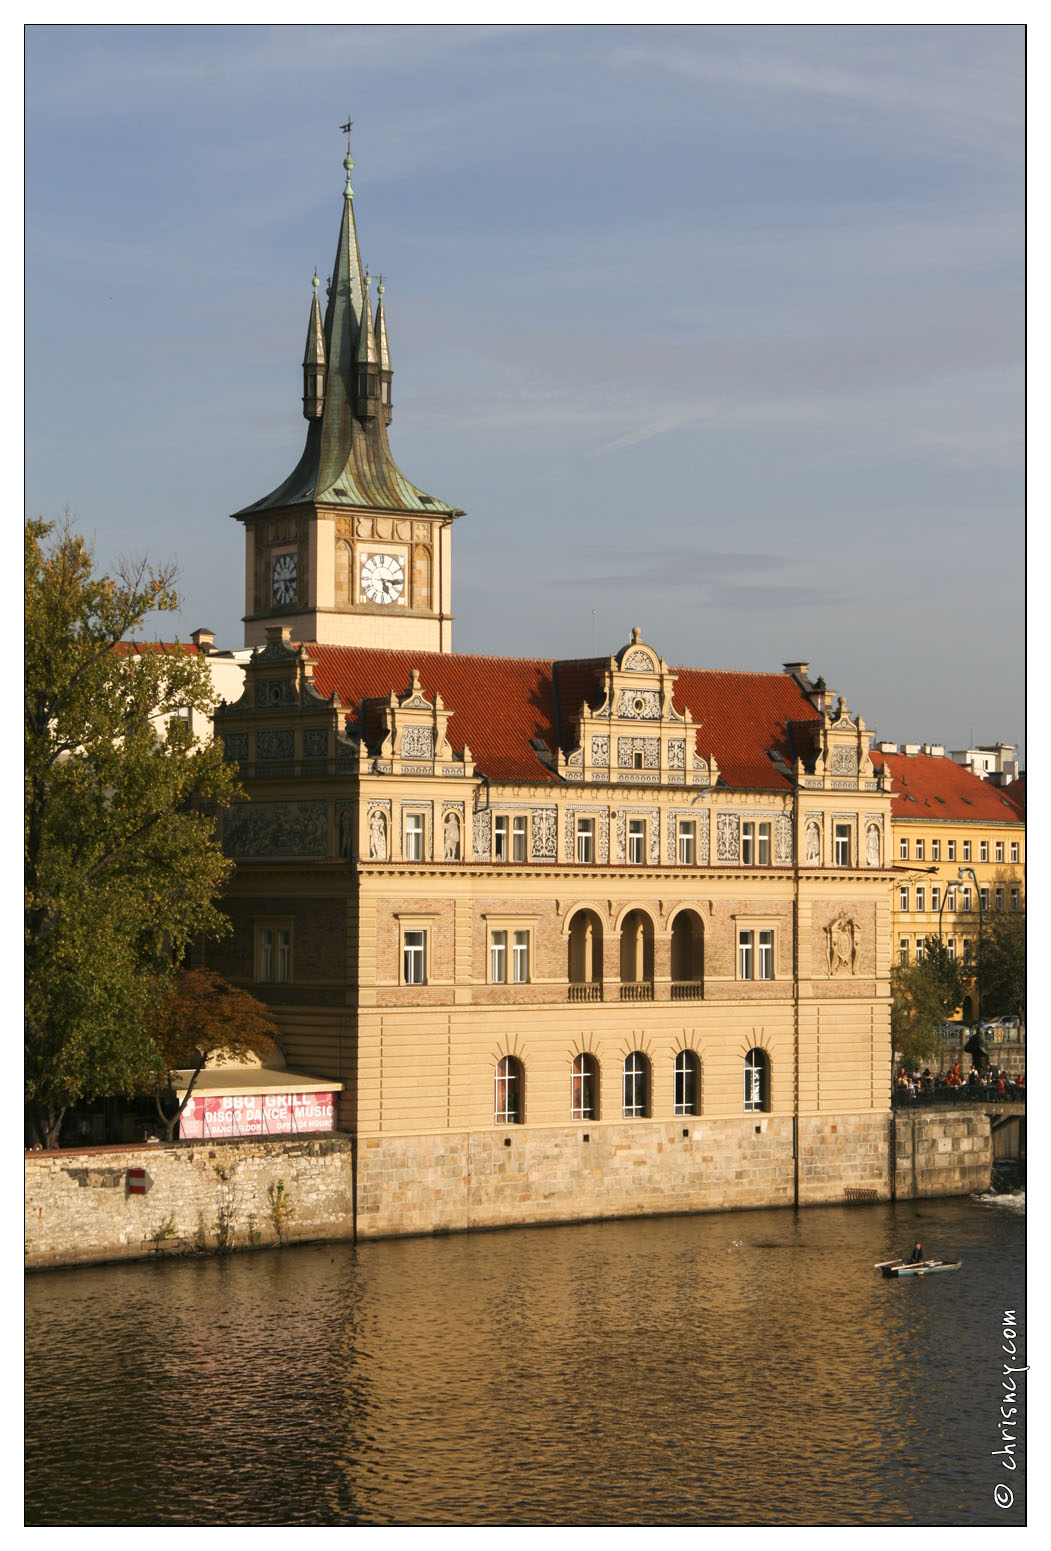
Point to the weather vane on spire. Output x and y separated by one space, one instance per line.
346 128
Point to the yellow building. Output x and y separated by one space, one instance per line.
578 939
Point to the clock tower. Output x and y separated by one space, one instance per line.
347 552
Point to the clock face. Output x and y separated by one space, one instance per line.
283 578
382 578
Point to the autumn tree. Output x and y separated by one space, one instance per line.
1000 967
925 994
202 1015
121 861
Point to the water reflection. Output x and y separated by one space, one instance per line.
744 1369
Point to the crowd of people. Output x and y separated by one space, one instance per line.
991 1084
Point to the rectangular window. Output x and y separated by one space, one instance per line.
585 840
999 850
950 898
903 899
414 958
983 851
1014 899
518 838
965 898
951 945
763 857
266 954
967 947
919 950
414 837
921 903
637 841
274 954
687 842
747 842
999 899
1014 850
936 896
967 850
498 958
745 955
903 950
284 956
520 958
936 850
500 837
919 850
903 850
765 967
841 845
950 850
983 895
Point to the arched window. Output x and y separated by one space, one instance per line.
636 957
508 1109
687 957
585 957
756 1080
344 571
636 1086
687 1083
584 1092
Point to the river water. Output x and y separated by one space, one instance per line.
734 1369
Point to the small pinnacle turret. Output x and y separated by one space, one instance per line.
314 361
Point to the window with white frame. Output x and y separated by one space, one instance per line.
999 852
519 838
686 843
414 837
1014 850
1014 899
983 851
755 954
951 946
983 895
748 841
999 899
756 1081
274 953
920 950
920 846
936 896
903 950
921 897
583 1097
950 898
414 957
498 958
950 850
755 842
967 850
965 898
762 842
636 1086
636 841
936 850
520 958
509 1084
968 949
841 845
903 850
687 1083
903 898
585 840
501 825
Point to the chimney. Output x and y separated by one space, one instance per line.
204 640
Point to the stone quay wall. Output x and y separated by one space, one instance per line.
212 1197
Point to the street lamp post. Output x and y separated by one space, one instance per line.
963 872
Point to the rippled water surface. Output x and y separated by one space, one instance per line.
735 1369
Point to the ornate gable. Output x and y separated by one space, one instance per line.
839 757
415 740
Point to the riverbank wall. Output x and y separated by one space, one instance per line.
132 1202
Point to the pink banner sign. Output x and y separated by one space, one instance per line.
257 1114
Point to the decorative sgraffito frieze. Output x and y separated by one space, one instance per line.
601 817
783 838
650 749
576 758
844 761
235 747
600 750
274 692
703 835
844 786
677 754
452 770
728 838
276 829
639 705
417 743
842 945
275 743
638 661
420 770
483 835
545 834
315 743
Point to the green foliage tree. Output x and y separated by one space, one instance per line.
202 1015
1001 964
121 861
924 995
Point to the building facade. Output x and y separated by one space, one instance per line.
577 938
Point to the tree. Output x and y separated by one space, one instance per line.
202 1015
924 995
1001 964
121 861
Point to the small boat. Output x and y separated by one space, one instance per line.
916 1267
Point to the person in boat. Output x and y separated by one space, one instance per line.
917 1256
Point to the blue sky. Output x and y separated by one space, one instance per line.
717 331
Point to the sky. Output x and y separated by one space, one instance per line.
716 331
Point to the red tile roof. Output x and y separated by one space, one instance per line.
931 787
501 703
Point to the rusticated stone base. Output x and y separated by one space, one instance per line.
942 1155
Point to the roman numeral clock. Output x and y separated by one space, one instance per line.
382 579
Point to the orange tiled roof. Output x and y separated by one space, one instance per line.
500 703
927 786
